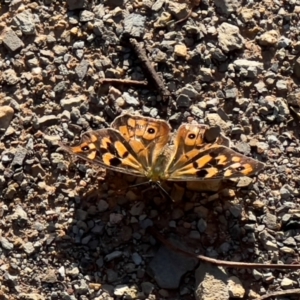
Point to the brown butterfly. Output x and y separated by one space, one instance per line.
141 146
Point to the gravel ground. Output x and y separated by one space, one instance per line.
71 230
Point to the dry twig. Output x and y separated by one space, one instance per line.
280 294
222 263
122 81
143 57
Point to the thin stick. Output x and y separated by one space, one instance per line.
122 81
143 57
280 293
223 263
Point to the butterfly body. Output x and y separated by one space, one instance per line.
144 147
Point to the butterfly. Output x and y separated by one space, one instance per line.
144 147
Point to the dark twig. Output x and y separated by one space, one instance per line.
122 81
280 293
223 263
143 57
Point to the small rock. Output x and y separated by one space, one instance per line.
214 119
102 205
147 287
28 248
201 225
227 7
235 287
211 283
178 10
180 50
68 104
82 68
19 157
167 267
10 77
130 100
134 25
47 120
271 221
6 114
6 244
74 272
86 16
183 101
25 21
229 37
113 255
269 38
11 40
77 4
137 209
137 259
287 283
125 290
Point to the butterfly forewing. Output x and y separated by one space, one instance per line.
146 136
196 159
108 148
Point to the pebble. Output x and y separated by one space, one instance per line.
269 38
130 100
180 50
229 37
235 288
134 25
6 115
25 22
287 283
11 40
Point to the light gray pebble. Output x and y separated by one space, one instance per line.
28 248
82 288
68 104
85 16
62 271
82 68
74 272
134 24
130 99
47 120
271 221
6 244
10 77
11 40
229 37
153 112
25 22
290 241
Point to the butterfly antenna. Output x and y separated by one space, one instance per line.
164 191
138 184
